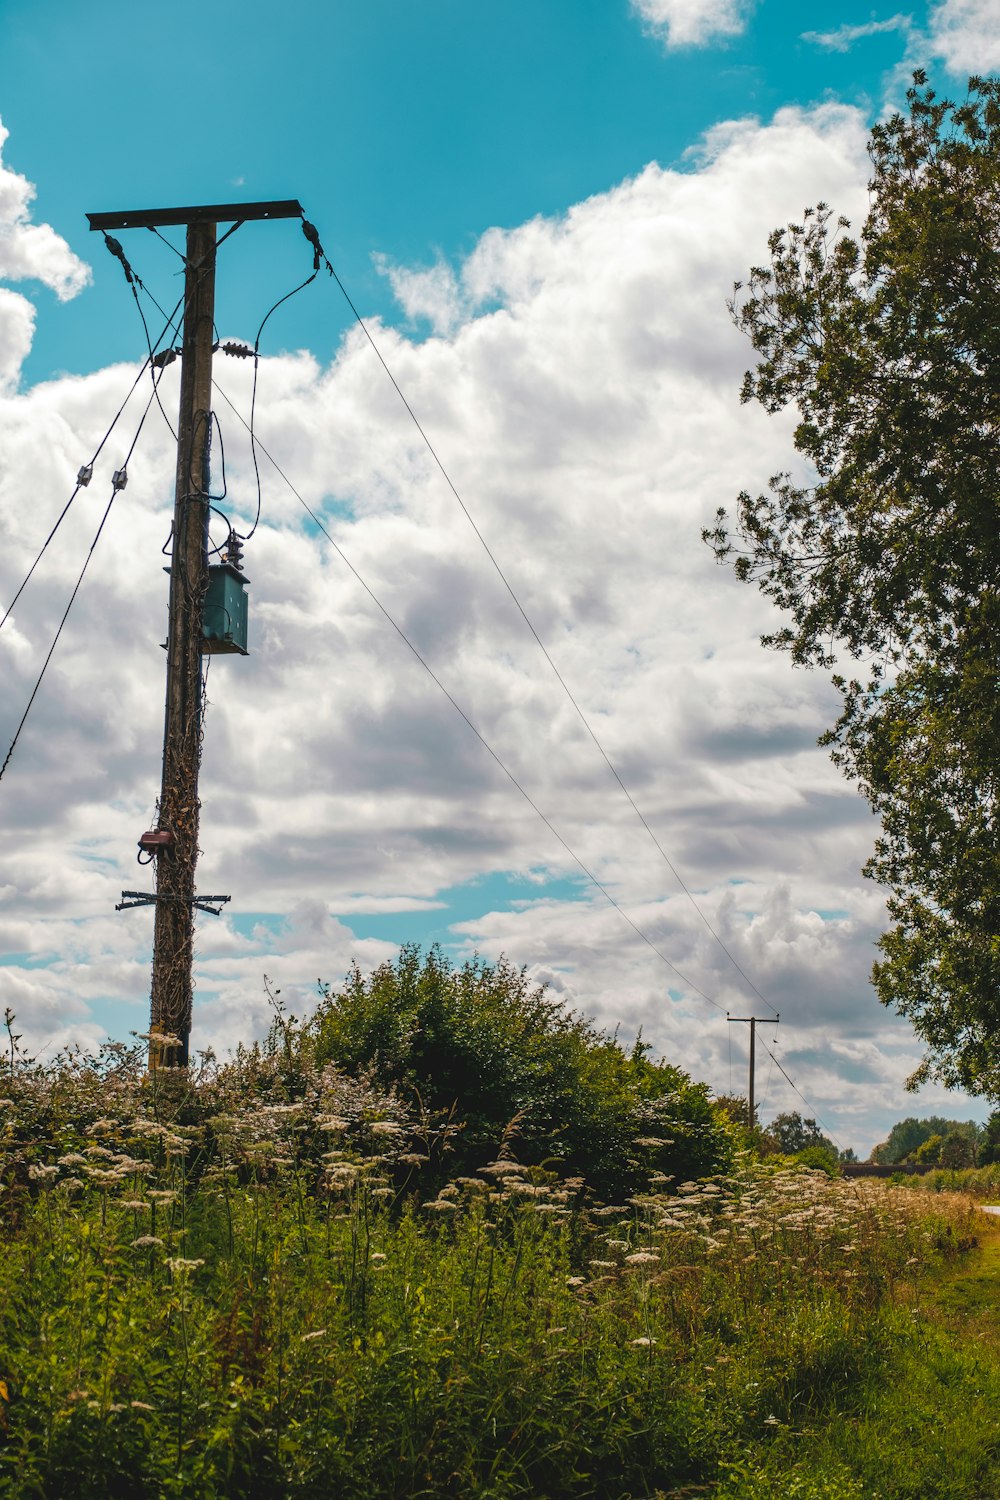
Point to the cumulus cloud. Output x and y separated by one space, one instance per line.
966 35
583 392
27 252
693 23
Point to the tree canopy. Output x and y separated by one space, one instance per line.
907 1137
793 1133
884 547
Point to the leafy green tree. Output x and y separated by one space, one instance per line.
907 1136
485 1045
736 1107
889 348
793 1133
989 1141
929 1153
957 1150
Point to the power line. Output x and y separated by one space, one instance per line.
461 711
117 484
544 650
503 767
791 1082
83 479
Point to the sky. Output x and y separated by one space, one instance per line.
538 208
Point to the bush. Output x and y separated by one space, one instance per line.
500 1056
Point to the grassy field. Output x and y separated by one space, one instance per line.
231 1296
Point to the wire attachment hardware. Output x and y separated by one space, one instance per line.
319 254
85 475
119 479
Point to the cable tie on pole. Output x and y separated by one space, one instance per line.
119 479
85 475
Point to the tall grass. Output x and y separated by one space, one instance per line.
214 1290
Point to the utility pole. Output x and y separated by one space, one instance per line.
753 1022
174 843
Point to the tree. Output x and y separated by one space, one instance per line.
889 347
957 1150
989 1148
794 1134
907 1136
929 1153
485 1045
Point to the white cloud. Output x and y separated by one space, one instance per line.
585 401
966 35
27 252
33 251
693 23
843 39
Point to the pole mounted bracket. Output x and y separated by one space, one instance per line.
150 898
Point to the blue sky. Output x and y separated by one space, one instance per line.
405 129
540 206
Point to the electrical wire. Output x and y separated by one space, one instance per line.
76 589
81 483
770 1073
792 1084
253 396
695 989
319 255
135 283
544 650
689 984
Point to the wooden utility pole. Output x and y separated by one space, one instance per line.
174 845
753 1022
173 937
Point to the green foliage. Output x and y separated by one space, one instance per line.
957 1150
929 1153
258 1326
989 1140
906 1136
243 1281
820 1158
889 346
793 1133
497 1056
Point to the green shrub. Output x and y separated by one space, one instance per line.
484 1046
820 1158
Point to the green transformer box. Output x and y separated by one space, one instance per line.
224 621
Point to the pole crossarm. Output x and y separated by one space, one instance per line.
201 213
150 898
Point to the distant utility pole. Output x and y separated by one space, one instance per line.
174 843
753 1022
